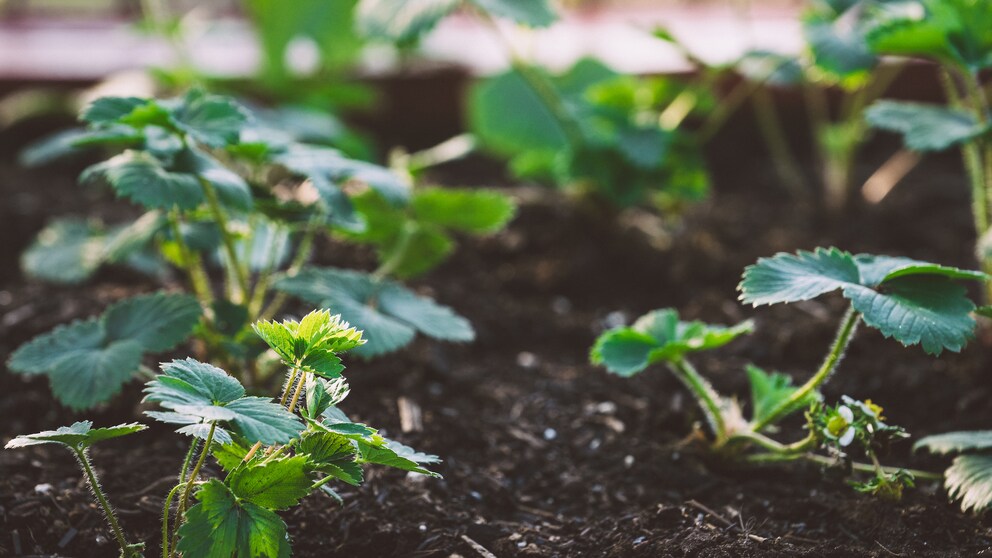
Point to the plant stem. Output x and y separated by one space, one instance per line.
240 274
165 518
191 262
806 444
845 333
189 486
303 252
187 460
764 458
84 462
707 397
396 257
451 149
296 394
770 126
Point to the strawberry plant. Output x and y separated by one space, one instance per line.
236 205
969 478
837 56
913 302
273 454
956 35
614 137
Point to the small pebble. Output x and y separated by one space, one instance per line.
628 461
423 528
550 434
526 359
44 489
595 443
561 305
640 540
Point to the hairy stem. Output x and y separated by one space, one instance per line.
770 126
188 459
766 458
189 487
707 397
165 518
84 462
806 444
296 394
845 333
191 262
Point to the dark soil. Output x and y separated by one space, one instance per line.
544 454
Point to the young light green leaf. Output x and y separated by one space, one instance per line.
222 525
78 436
332 454
276 485
956 442
110 110
532 13
141 177
969 478
312 343
158 322
388 312
768 390
925 127
401 21
474 211
659 336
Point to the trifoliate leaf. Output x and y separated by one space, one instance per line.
276 485
140 177
388 312
768 391
532 13
84 366
222 525
197 392
911 301
401 21
969 479
213 120
925 127
659 337
80 435
474 211
158 322
312 343
956 442
332 454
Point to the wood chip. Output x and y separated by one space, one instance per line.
483 551
411 419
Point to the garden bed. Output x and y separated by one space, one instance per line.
546 455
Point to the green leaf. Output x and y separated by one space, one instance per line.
85 368
792 278
78 436
329 167
956 442
213 120
260 420
925 127
332 454
401 21
158 322
532 13
74 141
66 251
388 312
984 311
969 479
474 211
199 393
110 110
142 178
232 190
312 343
222 525
913 302
276 485
768 390
659 336
384 455
322 394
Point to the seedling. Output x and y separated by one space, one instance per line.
954 34
273 454
913 302
228 193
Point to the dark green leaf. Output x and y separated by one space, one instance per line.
158 322
276 485
142 178
925 127
222 525
791 278
260 420
211 119
956 442
109 110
